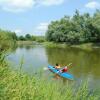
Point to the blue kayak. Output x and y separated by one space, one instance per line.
62 74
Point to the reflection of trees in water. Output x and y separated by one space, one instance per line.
12 49
84 62
27 47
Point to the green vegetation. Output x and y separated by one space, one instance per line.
75 30
20 86
86 46
38 38
7 40
29 37
54 45
25 43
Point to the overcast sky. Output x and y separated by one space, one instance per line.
33 16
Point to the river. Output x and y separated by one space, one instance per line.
85 64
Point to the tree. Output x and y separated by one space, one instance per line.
14 36
28 37
77 29
96 24
22 38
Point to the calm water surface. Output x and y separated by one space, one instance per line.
85 64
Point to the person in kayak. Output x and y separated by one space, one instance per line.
57 66
65 69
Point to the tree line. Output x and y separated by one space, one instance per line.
6 37
80 28
29 37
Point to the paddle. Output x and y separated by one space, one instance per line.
45 68
67 65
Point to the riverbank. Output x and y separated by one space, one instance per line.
53 44
24 42
87 46
20 86
84 46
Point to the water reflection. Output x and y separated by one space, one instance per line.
26 46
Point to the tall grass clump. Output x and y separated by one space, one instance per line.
16 86
7 40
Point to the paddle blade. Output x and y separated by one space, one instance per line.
45 68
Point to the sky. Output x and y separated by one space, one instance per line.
34 16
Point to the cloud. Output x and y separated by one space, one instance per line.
41 28
93 5
49 2
16 6
18 32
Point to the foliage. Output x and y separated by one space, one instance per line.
54 45
77 29
29 37
7 39
22 38
39 38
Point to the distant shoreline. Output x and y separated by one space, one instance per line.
24 42
87 46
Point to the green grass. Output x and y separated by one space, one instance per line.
84 46
15 85
54 45
25 42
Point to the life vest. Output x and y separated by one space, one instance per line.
65 69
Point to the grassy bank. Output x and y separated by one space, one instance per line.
87 45
84 46
20 86
24 42
53 44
